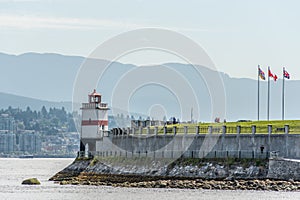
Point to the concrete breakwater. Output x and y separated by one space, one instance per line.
194 173
198 146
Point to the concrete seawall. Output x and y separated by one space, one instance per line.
204 145
240 159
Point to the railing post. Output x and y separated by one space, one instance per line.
238 129
269 129
253 129
197 130
286 133
210 129
238 132
165 130
156 130
133 130
148 130
286 129
141 130
269 138
224 130
185 130
174 130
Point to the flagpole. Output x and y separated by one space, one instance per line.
283 94
268 108
258 94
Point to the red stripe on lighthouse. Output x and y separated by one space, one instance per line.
94 122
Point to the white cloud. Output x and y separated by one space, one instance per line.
37 22
22 1
31 22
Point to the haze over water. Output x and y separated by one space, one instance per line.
13 171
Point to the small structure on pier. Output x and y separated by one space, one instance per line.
94 124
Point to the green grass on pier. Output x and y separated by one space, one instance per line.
231 127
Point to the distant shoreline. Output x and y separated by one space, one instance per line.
37 156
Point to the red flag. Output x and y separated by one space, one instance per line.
272 75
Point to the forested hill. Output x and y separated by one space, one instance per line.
21 102
46 121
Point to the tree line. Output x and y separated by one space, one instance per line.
49 121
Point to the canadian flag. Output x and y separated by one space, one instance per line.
272 75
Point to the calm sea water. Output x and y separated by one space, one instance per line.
14 171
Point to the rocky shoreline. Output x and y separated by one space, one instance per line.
196 184
185 174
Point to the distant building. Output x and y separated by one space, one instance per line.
7 134
7 142
28 141
23 141
7 123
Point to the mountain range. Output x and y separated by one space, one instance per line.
35 80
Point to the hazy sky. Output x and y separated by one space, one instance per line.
237 34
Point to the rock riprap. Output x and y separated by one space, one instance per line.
184 173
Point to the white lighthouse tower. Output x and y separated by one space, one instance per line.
94 124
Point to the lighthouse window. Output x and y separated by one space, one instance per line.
102 127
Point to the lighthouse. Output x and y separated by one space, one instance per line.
94 124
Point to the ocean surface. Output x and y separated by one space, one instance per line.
14 171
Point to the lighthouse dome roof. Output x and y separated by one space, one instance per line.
94 93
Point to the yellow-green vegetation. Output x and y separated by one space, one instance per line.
31 181
93 162
231 127
82 158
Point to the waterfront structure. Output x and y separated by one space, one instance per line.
7 123
23 142
7 134
94 124
212 141
13 141
198 142
7 142
28 142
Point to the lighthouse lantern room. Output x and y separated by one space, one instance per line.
94 124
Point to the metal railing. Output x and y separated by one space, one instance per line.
212 129
177 154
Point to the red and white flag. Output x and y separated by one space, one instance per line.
272 75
